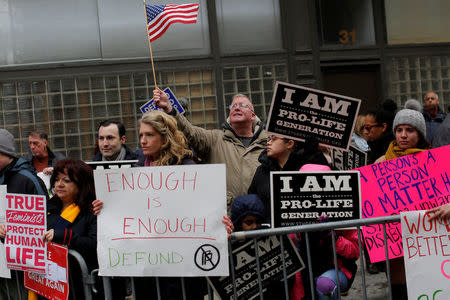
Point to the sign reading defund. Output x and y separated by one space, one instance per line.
303 197
300 113
162 221
414 182
426 247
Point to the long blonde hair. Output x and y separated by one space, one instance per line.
174 145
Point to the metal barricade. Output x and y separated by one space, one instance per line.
88 279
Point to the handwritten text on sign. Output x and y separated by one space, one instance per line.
25 225
162 221
408 183
426 251
54 285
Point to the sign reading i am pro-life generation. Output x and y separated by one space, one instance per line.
26 222
414 182
427 255
162 221
303 197
300 113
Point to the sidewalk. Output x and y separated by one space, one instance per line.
376 285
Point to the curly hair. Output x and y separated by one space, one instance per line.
174 146
82 175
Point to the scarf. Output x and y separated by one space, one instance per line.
394 151
67 216
120 156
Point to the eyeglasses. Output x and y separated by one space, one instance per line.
272 138
369 127
240 105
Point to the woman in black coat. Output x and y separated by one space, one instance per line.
70 220
282 154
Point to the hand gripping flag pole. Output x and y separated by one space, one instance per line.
150 44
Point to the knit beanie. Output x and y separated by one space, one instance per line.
410 117
7 143
413 104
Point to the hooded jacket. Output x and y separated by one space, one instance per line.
261 180
245 205
224 147
20 177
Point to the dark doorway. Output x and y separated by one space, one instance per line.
358 82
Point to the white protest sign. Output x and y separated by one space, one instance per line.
426 250
162 221
26 222
4 271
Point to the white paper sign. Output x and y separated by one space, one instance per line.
162 221
4 271
426 250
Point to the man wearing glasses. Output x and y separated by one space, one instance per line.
237 145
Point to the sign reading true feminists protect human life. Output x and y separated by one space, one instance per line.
300 113
426 249
25 224
162 221
303 197
414 182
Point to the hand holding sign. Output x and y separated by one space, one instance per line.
162 100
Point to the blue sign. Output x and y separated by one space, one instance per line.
150 104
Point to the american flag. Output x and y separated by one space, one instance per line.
159 17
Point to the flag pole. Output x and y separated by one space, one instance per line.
150 44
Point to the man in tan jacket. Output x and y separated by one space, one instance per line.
237 145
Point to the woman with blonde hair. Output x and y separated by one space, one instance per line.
161 141
164 145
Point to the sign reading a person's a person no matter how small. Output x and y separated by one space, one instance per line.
303 113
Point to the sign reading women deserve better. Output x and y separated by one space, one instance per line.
426 252
413 182
162 221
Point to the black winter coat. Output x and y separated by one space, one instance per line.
80 236
261 180
379 147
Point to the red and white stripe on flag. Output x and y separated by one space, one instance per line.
160 17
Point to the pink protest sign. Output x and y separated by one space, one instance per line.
25 225
413 182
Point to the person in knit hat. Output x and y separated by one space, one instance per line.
20 178
410 135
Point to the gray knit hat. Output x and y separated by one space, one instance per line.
413 104
410 117
7 143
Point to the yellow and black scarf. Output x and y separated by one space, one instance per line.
394 151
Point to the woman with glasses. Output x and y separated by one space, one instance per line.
378 130
282 154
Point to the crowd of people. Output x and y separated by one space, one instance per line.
249 153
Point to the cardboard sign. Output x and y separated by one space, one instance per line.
348 160
414 182
54 285
426 253
101 165
162 221
302 197
150 104
4 271
26 222
271 267
299 113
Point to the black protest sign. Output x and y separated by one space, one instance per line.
271 267
104 165
348 160
301 113
302 197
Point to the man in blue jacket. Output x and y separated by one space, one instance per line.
433 114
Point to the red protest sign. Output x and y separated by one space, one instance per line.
55 284
25 225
